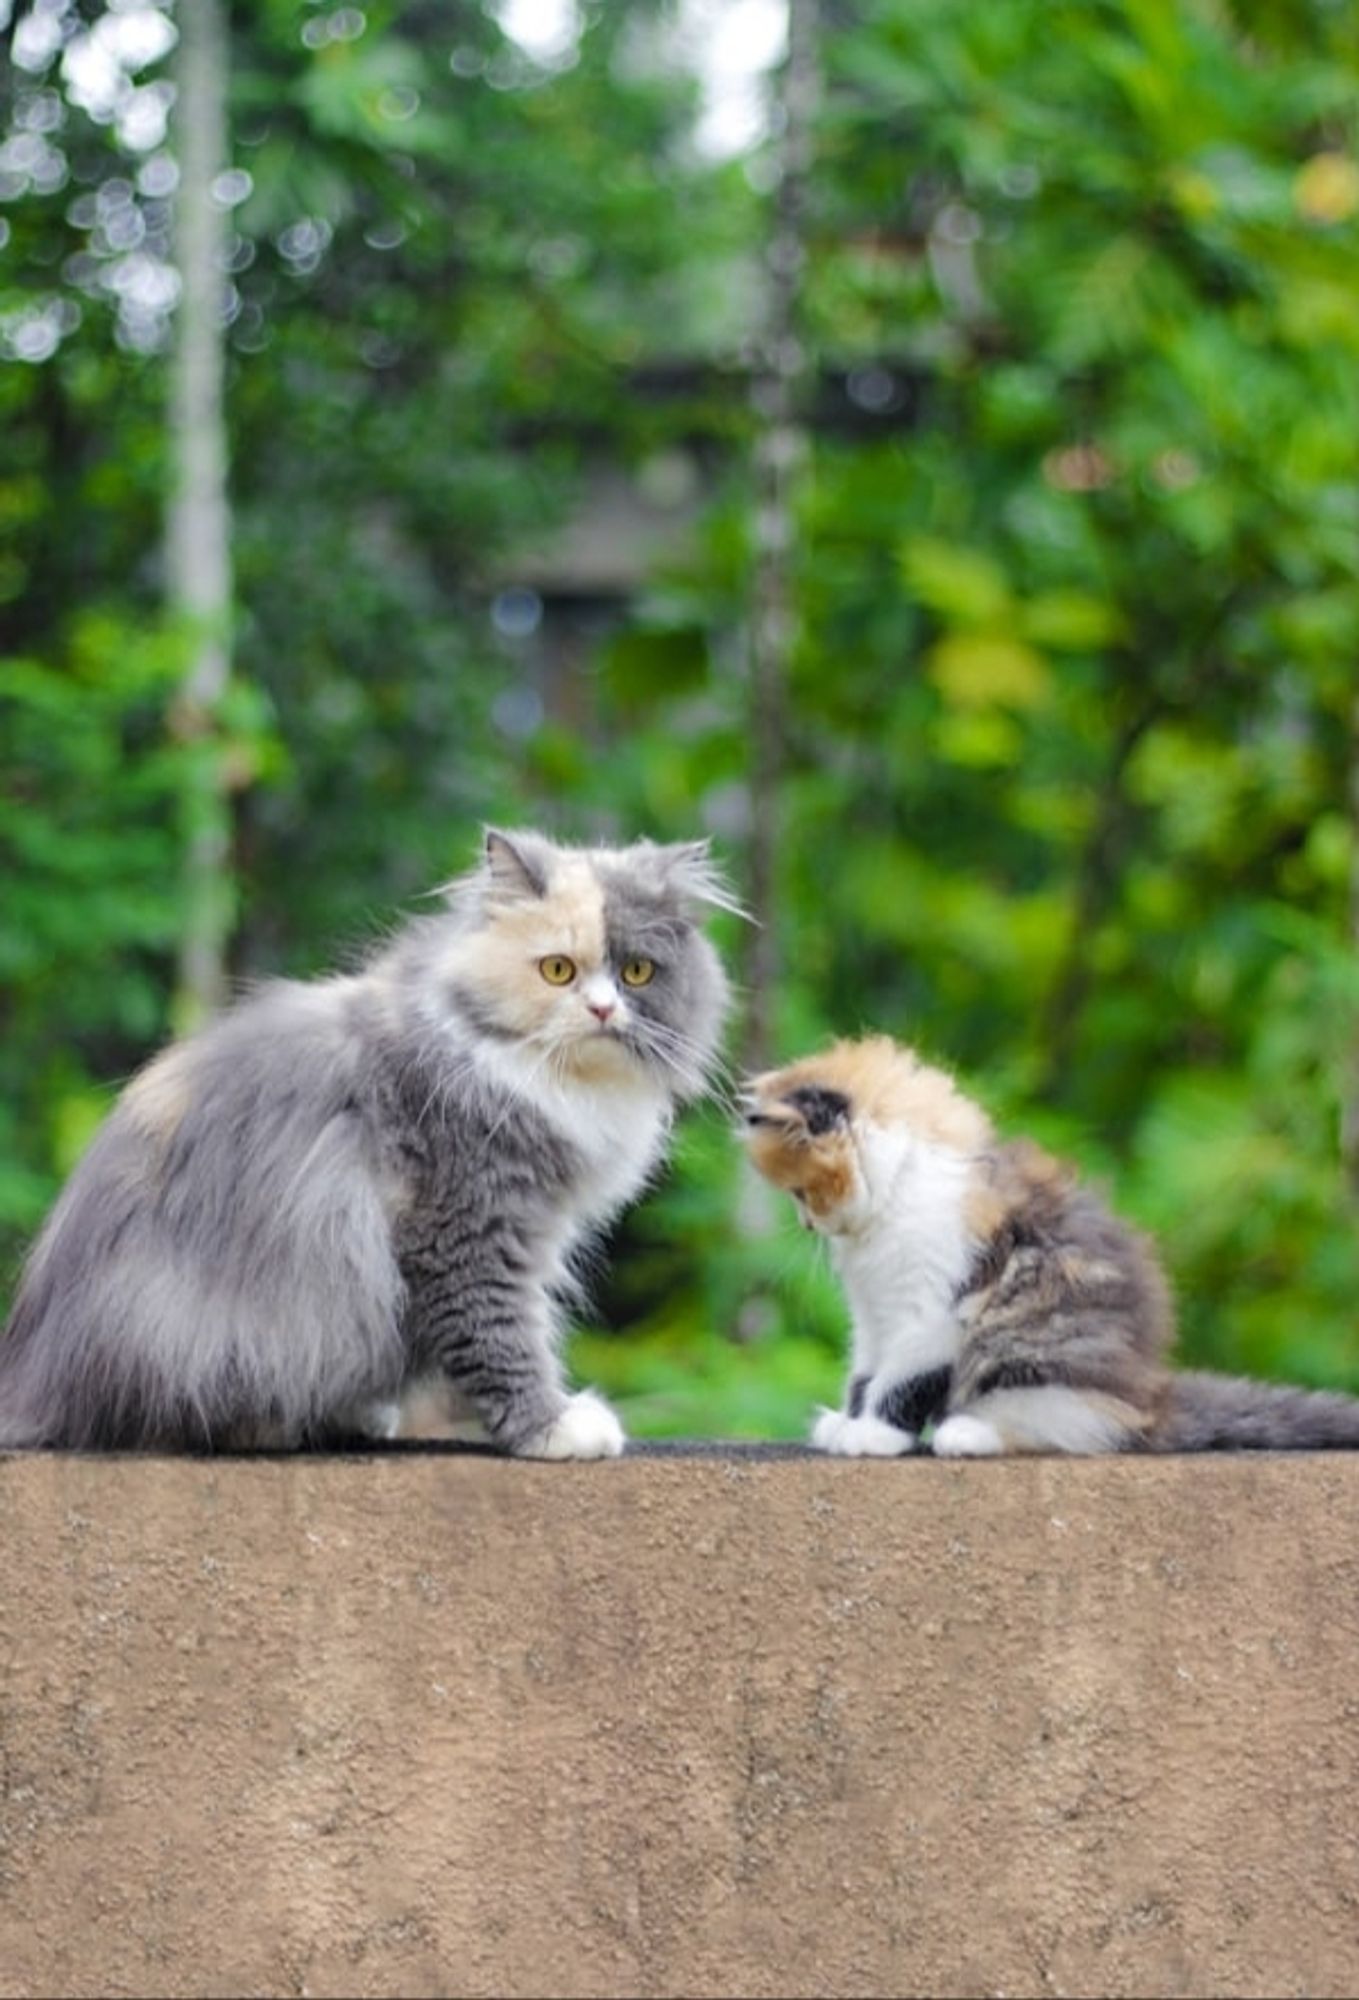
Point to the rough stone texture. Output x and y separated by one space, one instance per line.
430 1724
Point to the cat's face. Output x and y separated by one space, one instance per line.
837 1130
593 959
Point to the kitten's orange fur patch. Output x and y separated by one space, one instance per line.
820 1171
887 1085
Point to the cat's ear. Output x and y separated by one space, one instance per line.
691 872
514 866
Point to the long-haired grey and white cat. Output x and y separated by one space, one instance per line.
342 1192
993 1296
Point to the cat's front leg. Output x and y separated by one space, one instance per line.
494 1342
512 1377
511 1374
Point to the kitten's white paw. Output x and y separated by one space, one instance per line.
586 1428
967 1437
859 1437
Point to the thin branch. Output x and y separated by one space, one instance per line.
198 527
778 395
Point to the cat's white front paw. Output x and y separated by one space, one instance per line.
586 1428
967 1437
859 1437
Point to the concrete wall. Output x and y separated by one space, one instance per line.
425 1724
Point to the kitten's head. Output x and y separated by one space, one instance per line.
836 1128
593 957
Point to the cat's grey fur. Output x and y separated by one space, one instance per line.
343 1188
994 1297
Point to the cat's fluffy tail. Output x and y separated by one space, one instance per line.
1224 1413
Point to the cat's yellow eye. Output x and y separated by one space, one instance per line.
639 972
556 970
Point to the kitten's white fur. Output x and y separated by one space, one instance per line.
901 1256
859 1437
901 1259
966 1436
1050 1418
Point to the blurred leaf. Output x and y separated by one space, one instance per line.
960 584
985 670
1070 620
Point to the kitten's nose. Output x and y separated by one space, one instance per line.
603 1010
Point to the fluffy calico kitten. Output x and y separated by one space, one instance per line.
342 1191
991 1295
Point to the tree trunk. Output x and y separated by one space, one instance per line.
198 527
779 451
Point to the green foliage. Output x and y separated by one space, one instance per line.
1069 738
88 855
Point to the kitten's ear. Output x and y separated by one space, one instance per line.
515 866
691 872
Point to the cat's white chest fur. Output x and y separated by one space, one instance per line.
615 1123
620 1130
901 1267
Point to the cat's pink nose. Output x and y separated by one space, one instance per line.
602 1010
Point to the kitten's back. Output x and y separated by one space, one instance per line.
1062 1292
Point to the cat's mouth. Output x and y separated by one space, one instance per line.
596 1042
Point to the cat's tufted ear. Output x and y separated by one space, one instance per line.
689 870
514 866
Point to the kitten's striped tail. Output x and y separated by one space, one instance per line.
1224 1413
